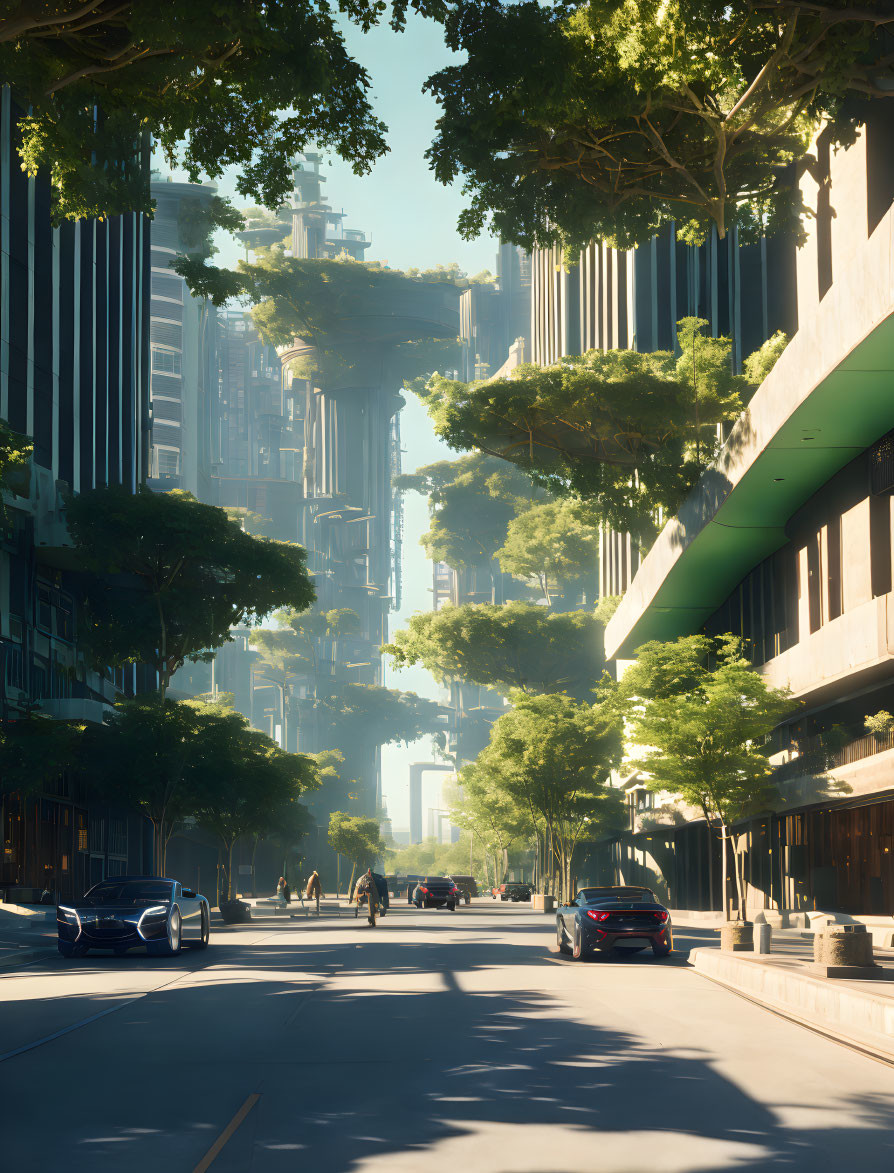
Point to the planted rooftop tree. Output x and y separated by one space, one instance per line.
574 122
245 86
555 544
168 576
513 646
703 716
472 501
629 433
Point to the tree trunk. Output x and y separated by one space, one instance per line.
231 891
724 870
739 865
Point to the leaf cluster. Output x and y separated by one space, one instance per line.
616 428
512 646
244 84
356 838
571 122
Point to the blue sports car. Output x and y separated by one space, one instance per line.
599 920
125 912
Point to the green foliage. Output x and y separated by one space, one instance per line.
430 858
168 577
372 715
358 839
516 645
248 86
758 365
497 817
253 523
472 501
15 460
555 544
34 751
554 755
879 724
703 716
605 120
615 428
606 607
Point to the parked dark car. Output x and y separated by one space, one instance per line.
601 919
514 891
128 912
467 885
436 892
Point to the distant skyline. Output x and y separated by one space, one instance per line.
411 219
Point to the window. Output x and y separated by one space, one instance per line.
55 612
880 545
166 461
14 667
165 362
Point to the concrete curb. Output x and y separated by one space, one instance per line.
26 956
861 1018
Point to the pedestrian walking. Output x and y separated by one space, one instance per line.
314 889
366 886
287 892
280 888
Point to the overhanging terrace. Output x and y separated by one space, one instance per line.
830 396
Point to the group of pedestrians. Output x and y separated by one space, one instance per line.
365 887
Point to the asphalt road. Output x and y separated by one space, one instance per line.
435 1042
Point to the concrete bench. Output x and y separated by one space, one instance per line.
274 906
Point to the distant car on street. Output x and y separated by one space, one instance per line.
436 892
128 912
515 892
467 885
599 920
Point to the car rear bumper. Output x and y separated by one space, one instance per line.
603 941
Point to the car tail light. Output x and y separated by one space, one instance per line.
598 915
660 916
425 890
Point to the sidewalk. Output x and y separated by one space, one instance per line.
26 934
859 1013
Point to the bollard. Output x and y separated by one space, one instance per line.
763 935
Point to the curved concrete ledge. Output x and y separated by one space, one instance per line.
841 1008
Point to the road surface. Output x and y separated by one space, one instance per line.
436 1042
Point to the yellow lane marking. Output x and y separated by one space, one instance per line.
227 1133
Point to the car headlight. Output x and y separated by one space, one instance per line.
68 916
156 911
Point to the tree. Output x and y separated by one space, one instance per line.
35 750
15 457
368 713
248 87
703 716
627 432
555 755
516 645
498 818
472 502
759 364
168 577
575 122
356 838
249 786
145 757
555 544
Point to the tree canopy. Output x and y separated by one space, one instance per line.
472 501
703 715
168 576
574 122
513 646
555 755
35 750
374 715
357 838
628 432
248 85
555 544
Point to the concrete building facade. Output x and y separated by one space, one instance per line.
787 542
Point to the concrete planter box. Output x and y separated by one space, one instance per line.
844 951
543 903
736 937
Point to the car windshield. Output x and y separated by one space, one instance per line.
622 895
129 892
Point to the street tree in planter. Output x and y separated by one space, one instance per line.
516 645
169 576
498 818
703 716
555 755
358 839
